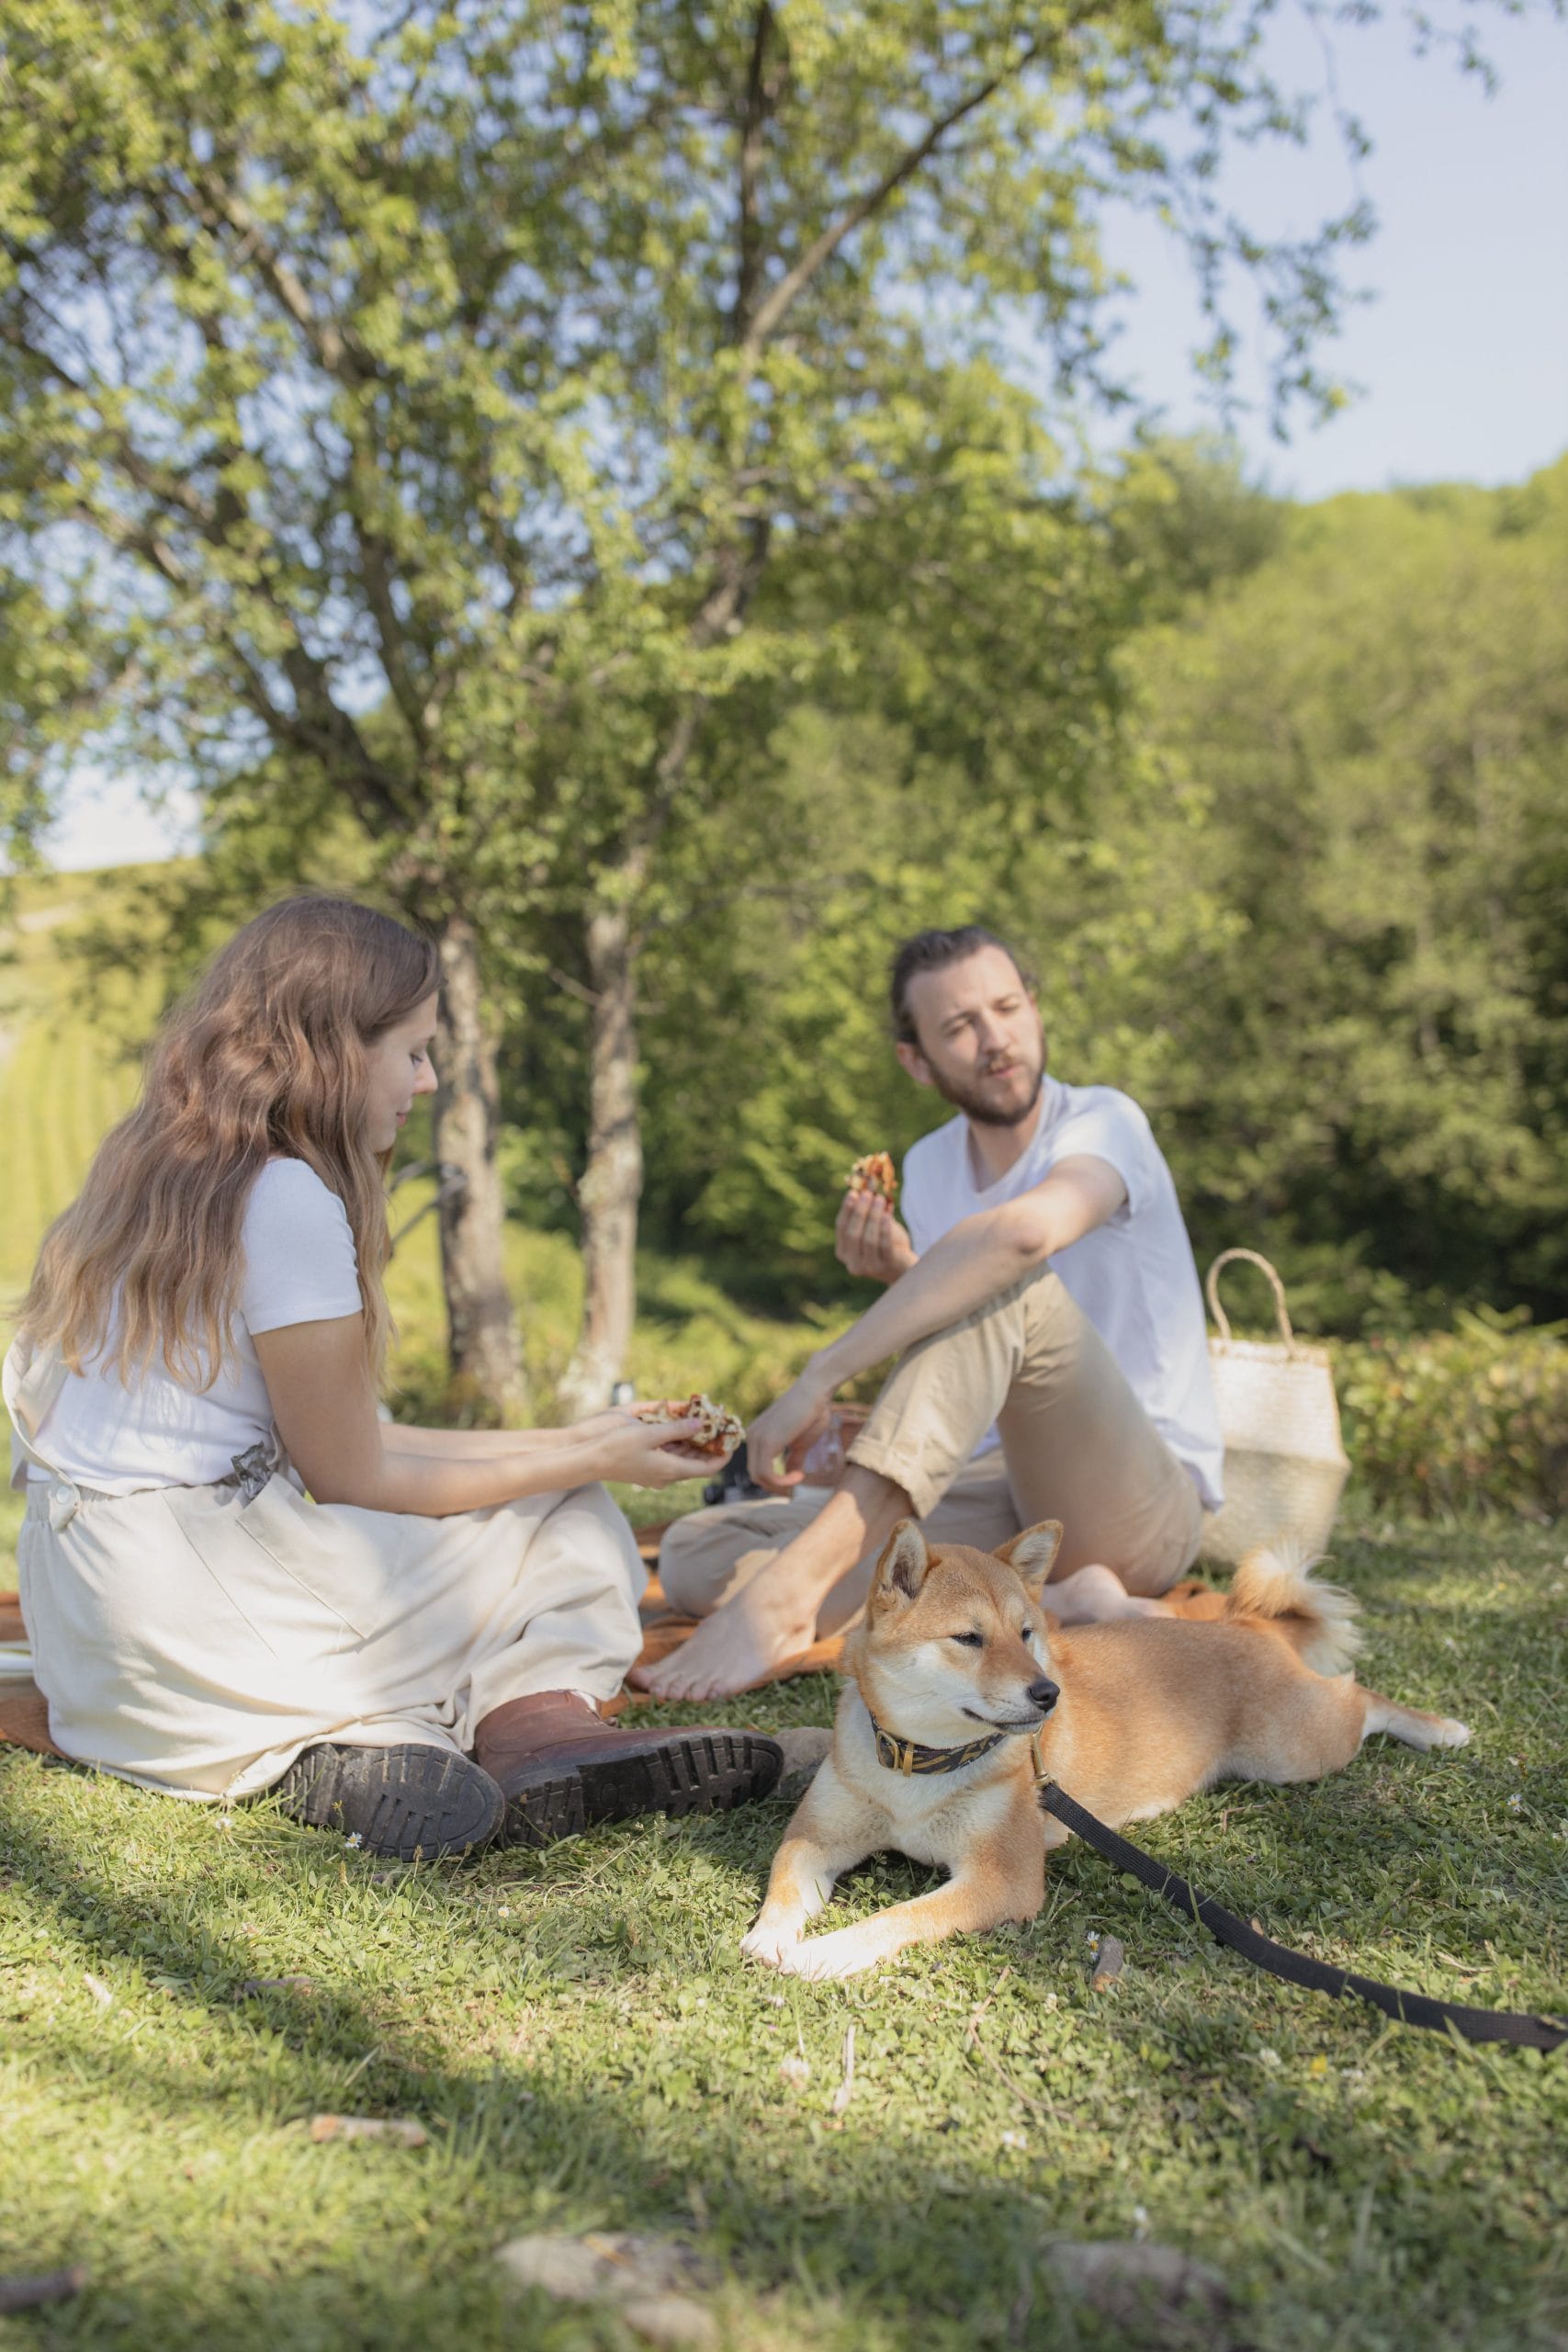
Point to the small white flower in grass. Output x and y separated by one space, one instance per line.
1516 1802
1267 2057
1092 1941
504 1912
225 1821
1015 2140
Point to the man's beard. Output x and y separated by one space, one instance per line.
968 1099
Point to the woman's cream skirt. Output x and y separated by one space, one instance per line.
195 1641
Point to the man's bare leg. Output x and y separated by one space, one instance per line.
774 1616
1097 1596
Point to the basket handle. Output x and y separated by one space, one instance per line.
1218 1312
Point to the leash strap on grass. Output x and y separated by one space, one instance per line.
1527 2033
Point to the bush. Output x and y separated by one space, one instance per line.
1444 1420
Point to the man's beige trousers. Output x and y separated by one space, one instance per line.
1077 1445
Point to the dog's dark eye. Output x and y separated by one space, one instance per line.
970 1641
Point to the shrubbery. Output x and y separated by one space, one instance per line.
1445 1420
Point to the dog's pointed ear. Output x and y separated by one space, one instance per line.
1032 1555
902 1567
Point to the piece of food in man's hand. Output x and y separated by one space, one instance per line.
717 1434
874 1173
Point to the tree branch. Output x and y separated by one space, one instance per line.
376 571
790 287
163 483
341 354
759 104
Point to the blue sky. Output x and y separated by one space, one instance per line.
1463 351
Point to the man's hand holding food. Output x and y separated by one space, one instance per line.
867 1237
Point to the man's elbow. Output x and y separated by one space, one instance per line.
1029 1239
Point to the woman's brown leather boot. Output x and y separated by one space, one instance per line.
562 1768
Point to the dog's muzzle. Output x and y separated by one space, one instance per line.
1044 1695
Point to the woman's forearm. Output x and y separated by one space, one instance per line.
466 1446
439 1484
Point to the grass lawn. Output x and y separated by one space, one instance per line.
586 2050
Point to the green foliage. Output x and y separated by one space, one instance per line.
472 360
1456 1419
469 437
1375 1050
1307 911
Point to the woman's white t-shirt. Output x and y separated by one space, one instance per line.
1133 1276
299 1267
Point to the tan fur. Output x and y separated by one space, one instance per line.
1150 1711
1318 1619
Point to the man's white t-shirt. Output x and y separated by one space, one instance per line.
299 1267
1133 1276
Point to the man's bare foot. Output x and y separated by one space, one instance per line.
774 1617
734 1649
1097 1596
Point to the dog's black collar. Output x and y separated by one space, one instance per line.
906 1756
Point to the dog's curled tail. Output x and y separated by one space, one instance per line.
1318 1619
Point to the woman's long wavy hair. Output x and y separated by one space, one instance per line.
266 1055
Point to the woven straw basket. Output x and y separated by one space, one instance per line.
1285 1464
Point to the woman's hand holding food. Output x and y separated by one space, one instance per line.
625 1444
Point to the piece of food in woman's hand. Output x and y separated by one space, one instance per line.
874 1173
717 1434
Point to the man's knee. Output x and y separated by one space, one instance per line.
698 1556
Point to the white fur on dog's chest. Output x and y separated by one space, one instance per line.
931 1817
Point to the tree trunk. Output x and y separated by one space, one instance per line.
482 1326
611 1182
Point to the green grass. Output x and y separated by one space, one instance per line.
587 2051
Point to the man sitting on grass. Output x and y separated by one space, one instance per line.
1052 1360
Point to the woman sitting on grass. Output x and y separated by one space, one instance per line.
417 1655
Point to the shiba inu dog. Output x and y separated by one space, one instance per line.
963 1695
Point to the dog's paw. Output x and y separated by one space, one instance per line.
771 1942
1448 1734
847 1952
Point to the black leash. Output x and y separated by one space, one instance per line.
1525 2031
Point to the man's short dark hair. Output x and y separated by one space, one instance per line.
932 951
